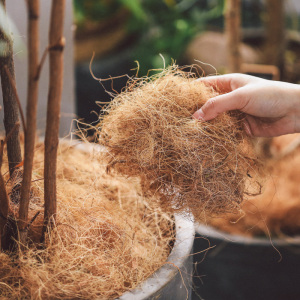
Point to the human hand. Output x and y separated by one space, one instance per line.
272 108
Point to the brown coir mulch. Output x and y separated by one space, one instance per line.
202 167
274 213
108 237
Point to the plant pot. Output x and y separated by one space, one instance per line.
245 268
174 279
44 278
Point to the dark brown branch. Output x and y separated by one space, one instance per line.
37 77
31 112
10 103
14 89
46 51
57 42
33 219
4 200
10 134
232 31
3 142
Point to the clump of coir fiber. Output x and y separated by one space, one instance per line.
198 166
276 211
108 238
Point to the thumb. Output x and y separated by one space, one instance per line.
220 104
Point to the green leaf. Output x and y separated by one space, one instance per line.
135 7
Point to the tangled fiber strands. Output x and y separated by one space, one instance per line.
150 133
107 239
276 211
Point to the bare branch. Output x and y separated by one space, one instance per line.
31 111
9 102
4 199
57 42
14 88
16 127
3 142
37 77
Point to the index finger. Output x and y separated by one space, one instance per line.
226 83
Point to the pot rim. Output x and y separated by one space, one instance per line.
182 249
209 231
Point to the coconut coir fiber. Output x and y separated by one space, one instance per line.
108 237
196 166
276 211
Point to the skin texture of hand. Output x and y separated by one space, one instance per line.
272 108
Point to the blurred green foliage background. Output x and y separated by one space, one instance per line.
159 26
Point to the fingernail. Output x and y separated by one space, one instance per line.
247 128
199 115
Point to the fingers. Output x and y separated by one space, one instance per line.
227 83
258 127
220 104
247 127
220 82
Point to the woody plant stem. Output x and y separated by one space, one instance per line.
33 7
56 42
9 101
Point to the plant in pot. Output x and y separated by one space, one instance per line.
103 232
